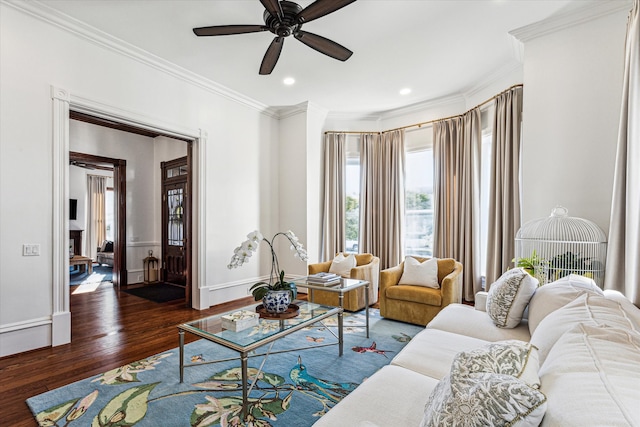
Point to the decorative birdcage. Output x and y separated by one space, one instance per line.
554 247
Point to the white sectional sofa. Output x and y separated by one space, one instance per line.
584 346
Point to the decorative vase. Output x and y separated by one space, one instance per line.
276 301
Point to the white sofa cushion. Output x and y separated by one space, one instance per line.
432 351
342 265
465 320
591 378
420 273
629 308
483 399
393 396
554 295
512 357
590 309
508 297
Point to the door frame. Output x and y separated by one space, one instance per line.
188 218
120 199
63 102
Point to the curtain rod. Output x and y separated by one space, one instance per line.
431 121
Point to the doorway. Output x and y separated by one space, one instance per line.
177 269
176 223
64 105
119 167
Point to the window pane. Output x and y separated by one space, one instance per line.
419 203
485 182
352 204
109 209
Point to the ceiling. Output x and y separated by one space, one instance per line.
437 48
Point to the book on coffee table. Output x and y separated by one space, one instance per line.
324 279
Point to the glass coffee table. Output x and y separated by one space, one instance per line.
341 288
250 339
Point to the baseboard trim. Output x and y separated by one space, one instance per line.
24 336
61 328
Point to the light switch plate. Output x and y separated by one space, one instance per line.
31 249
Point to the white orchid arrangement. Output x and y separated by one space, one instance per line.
242 253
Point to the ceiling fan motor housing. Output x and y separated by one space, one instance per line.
287 25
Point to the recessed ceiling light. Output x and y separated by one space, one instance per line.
405 91
289 81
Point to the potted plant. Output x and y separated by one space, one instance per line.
277 293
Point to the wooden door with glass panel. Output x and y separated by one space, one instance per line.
175 220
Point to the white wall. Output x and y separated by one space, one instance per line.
237 168
572 92
293 176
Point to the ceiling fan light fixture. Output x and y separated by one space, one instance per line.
289 81
405 91
284 18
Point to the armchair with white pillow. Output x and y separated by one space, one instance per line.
417 289
353 266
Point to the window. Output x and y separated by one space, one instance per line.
418 234
109 213
352 194
485 182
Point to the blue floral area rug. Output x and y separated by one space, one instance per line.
292 389
100 274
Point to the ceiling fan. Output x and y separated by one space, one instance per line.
285 18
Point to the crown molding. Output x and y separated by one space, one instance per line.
353 116
569 18
82 30
496 76
422 105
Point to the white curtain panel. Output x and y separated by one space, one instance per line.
96 213
382 172
333 210
392 175
504 192
369 235
456 194
623 256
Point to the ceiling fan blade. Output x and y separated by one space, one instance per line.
271 56
226 30
273 7
324 45
320 8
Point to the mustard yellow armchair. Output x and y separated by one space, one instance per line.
367 268
419 304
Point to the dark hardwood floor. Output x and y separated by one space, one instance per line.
109 329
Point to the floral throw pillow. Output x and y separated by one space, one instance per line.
511 357
508 297
484 399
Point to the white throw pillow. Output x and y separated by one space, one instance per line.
508 297
510 357
342 265
420 273
484 399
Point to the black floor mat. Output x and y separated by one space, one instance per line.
160 292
